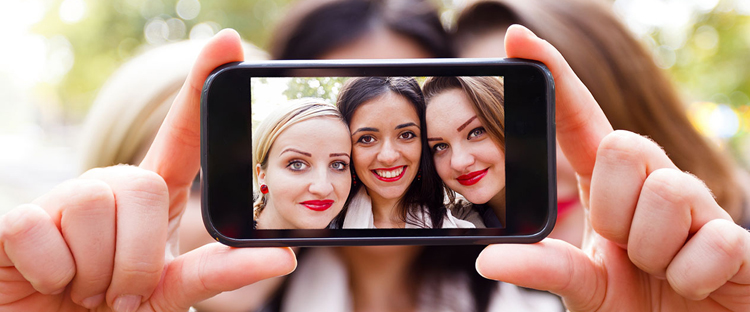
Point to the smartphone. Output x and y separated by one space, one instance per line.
378 152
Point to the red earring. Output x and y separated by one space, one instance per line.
264 189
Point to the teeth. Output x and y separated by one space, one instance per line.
390 173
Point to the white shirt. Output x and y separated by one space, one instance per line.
359 216
321 284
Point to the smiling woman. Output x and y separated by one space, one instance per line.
391 158
301 166
466 119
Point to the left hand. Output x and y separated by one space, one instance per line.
655 239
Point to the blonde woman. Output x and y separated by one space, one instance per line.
301 156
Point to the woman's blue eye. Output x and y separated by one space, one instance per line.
297 165
367 139
339 165
476 132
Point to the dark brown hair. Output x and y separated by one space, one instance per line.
425 192
313 28
633 92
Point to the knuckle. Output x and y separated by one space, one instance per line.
147 181
620 145
626 147
671 186
22 220
725 239
92 196
141 270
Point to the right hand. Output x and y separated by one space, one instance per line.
108 239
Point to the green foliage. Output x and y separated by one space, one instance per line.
326 88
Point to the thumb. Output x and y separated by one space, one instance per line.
215 268
551 265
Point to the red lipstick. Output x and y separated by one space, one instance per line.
318 205
472 178
393 179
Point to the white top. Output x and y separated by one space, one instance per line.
359 216
321 284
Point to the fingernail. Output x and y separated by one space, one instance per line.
127 303
57 292
93 301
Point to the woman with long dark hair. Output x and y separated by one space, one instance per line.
396 183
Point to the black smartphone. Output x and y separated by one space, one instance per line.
378 152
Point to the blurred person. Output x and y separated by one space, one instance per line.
301 155
633 92
470 161
598 278
387 278
121 125
398 186
341 29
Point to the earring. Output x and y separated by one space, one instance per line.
419 175
354 178
264 189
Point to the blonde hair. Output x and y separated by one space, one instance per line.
133 102
273 125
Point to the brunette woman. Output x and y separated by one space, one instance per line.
396 183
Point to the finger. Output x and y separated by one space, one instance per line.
669 203
580 122
141 201
718 253
175 152
623 162
571 274
31 242
215 268
86 209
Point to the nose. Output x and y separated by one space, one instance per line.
321 184
461 159
388 153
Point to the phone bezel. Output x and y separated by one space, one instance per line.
226 176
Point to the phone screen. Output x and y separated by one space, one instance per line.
365 170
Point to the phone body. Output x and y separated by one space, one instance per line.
228 122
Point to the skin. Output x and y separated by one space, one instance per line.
468 150
571 220
309 161
386 143
656 240
131 214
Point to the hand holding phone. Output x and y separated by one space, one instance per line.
99 241
650 226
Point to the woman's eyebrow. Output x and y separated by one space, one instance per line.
365 129
296 151
404 125
338 154
434 139
466 123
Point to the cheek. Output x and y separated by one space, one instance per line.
414 152
361 159
342 184
442 166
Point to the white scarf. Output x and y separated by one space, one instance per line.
359 216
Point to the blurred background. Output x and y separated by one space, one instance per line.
56 54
